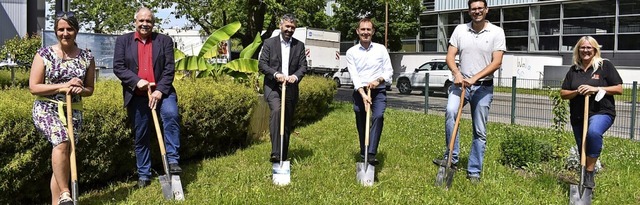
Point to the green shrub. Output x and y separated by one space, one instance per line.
522 147
21 78
22 49
214 120
316 94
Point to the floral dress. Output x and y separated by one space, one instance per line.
46 115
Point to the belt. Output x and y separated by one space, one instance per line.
61 105
484 83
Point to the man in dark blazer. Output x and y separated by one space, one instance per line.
279 66
140 58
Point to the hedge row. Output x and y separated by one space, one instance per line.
214 120
21 78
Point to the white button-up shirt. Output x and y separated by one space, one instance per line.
368 64
285 48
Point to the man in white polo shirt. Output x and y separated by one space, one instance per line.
369 67
481 46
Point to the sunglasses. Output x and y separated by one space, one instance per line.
65 14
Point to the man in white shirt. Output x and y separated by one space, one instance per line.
481 46
370 67
282 59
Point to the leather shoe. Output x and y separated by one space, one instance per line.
274 159
443 163
143 183
372 160
175 169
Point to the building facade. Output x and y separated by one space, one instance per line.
20 17
540 27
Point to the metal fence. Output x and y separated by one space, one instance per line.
527 102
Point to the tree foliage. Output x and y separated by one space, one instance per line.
255 15
403 19
22 49
105 16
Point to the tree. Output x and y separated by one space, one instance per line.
104 16
255 15
403 19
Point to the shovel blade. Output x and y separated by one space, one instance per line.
577 198
176 187
165 183
365 173
281 173
440 176
449 177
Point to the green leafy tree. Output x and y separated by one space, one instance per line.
403 19
255 15
105 16
22 49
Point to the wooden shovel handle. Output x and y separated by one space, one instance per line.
156 123
455 126
585 127
72 142
367 121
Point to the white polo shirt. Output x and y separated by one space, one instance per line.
368 64
476 48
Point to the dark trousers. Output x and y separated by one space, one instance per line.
273 98
378 106
142 123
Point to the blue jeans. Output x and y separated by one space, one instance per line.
480 98
598 124
142 123
378 106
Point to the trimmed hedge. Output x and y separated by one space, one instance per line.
214 120
523 147
21 78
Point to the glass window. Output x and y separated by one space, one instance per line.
548 11
589 9
429 32
426 66
589 26
428 45
606 41
493 16
629 7
515 14
548 43
449 30
516 29
429 20
549 27
517 44
450 18
408 46
629 42
629 24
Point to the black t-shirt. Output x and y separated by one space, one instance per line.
606 75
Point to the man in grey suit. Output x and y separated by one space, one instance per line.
282 60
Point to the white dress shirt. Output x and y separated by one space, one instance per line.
368 64
285 48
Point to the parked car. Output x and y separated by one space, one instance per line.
342 78
439 77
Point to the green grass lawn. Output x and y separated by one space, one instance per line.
323 170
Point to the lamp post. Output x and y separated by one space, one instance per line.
386 22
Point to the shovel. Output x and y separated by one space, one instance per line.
445 174
365 172
72 141
282 171
171 185
578 194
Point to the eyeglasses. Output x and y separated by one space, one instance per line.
479 9
62 14
586 48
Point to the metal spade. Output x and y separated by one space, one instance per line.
365 172
579 194
445 174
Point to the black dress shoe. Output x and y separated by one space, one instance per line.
372 160
175 169
143 183
274 159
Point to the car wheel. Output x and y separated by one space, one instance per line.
337 80
447 85
404 86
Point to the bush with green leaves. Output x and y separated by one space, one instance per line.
523 147
22 49
214 121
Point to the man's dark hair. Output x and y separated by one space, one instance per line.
471 1
362 20
289 17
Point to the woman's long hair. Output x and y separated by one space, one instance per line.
596 61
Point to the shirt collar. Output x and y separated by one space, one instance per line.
283 41
486 28
137 36
365 49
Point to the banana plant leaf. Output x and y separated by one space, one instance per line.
178 55
192 63
243 65
251 48
209 48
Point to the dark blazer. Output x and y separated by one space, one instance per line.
270 63
125 64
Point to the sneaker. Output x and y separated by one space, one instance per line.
174 168
443 163
589 179
65 199
143 183
474 179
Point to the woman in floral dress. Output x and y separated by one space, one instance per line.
63 65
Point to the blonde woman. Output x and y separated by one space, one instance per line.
597 77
